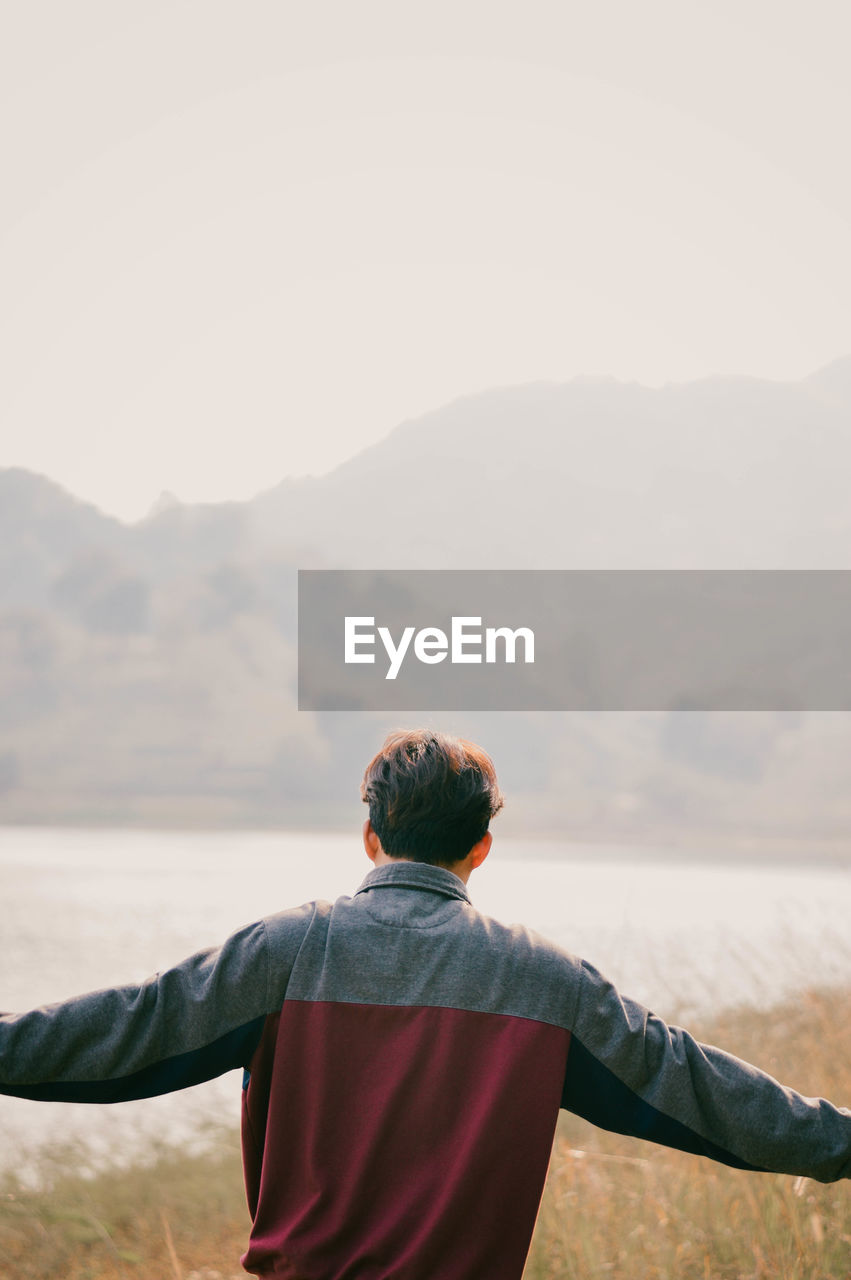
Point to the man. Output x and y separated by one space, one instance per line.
405 1057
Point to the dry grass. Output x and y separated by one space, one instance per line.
670 1215
613 1207
174 1216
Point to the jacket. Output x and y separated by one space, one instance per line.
405 1058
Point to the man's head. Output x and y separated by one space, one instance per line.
430 798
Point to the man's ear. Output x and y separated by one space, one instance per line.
480 851
370 841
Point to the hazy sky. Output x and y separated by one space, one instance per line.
242 241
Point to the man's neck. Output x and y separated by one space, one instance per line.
462 869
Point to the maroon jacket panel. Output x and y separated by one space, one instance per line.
449 1131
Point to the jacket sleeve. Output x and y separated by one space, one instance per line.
630 1072
187 1024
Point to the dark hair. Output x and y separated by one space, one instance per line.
430 796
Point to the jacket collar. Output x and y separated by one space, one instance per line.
415 875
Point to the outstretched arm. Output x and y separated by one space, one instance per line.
629 1071
182 1026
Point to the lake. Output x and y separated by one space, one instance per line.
86 909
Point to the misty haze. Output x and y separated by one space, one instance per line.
148 671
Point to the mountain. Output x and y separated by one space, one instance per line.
42 528
833 383
148 672
721 473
